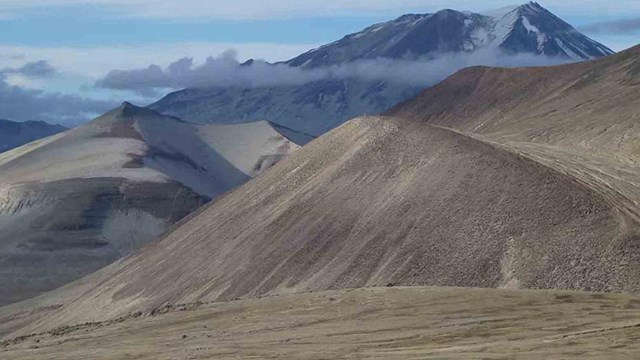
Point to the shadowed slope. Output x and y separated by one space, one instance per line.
375 202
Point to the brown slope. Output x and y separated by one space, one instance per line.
592 106
580 119
379 201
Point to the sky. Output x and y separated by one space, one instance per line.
55 54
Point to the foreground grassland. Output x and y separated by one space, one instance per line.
374 323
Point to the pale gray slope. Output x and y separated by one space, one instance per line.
252 147
76 202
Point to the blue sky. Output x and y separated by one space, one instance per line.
85 39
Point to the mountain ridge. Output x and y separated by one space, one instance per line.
14 134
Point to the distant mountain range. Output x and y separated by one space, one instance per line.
14 134
319 106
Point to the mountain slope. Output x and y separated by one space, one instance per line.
543 104
580 119
377 202
506 39
75 202
14 134
401 201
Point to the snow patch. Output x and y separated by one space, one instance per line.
542 38
480 37
504 26
568 51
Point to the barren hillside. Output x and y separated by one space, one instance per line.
581 119
75 202
380 201
400 201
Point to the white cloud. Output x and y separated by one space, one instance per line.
262 9
227 71
78 68
94 62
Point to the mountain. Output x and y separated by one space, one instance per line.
75 202
516 178
529 28
507 38
14 134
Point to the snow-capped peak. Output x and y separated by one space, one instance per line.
528 28
532 28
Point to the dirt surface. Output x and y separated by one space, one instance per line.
393 323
